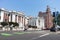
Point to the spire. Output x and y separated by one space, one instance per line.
48 8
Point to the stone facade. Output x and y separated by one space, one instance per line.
37 22
13 16
48 18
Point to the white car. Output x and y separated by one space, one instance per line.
58 27
55 28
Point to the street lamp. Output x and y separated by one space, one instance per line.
56 15
55 18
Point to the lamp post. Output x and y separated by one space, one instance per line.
55 18
56 15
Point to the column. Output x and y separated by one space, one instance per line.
17 19
13 18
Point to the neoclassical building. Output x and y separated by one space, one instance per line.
37 22
13 16
43 21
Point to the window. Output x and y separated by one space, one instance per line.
5 13
8 14
35 23
16 15
5 20
39 22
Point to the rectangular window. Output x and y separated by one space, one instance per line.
35 23
6 14
39 22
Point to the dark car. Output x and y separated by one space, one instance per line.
53 29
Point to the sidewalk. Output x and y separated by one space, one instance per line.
25 31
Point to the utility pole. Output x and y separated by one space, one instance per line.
55 18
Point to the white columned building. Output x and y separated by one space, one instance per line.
1 14
21 19
17 19
4 15
42 22
13 18
36 21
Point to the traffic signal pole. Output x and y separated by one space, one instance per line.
56 14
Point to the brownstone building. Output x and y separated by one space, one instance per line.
48 18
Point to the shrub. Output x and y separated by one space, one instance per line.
10 23
29 26
4 24
16 24
32 26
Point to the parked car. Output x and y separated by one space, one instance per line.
58 27
55 28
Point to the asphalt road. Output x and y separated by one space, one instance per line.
29 35
52 36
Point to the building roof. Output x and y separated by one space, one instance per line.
42 14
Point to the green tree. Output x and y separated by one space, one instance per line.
10 25
58 20
4 24
54 21
16 24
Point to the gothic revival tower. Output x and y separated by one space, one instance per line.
49 18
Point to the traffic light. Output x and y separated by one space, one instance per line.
53 14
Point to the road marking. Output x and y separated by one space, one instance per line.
6 34
18 33
44 34
21 32
40 36
28 32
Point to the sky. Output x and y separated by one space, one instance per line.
30 7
